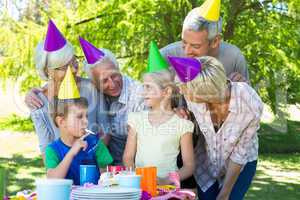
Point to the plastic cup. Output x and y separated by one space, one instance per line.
49 189
148 179
130 181
89 174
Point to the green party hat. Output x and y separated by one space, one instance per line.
156 62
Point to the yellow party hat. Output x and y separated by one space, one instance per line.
68 88
210 10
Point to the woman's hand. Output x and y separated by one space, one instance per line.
32 100
77 146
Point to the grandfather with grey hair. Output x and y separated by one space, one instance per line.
203 38
122 95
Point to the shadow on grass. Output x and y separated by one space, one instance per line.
267 188
277 178
21 172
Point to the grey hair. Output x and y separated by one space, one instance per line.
211 82
108 56
193 21
53 59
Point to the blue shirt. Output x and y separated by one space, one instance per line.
83 157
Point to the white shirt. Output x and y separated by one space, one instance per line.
158 145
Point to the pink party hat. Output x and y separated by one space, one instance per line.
54 39
186 68
92 54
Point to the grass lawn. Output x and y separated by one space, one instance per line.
277 178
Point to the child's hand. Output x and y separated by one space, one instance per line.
175 179
77 146
164 181
172 179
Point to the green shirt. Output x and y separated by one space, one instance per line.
103 156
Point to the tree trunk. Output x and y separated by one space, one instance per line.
235 8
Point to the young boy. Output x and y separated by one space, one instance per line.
65 155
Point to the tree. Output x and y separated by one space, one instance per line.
266 31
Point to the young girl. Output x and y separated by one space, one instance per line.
156 136
65 155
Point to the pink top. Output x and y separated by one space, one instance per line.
236 139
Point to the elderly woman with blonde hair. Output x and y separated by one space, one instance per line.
228 114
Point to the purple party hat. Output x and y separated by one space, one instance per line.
92 54
186 68
54 39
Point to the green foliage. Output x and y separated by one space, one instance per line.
2 182
16 123
269 37
266 31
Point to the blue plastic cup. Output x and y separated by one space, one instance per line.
130 181
89 174
49 189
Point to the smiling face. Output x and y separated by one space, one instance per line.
107 78
196 43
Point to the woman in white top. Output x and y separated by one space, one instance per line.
156 136
228 114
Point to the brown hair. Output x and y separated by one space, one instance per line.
61 107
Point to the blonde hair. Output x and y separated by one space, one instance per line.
164 79
53 59
212 81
